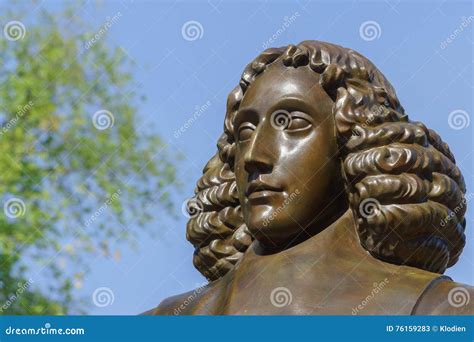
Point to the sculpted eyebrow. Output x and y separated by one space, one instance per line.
244 114
293 104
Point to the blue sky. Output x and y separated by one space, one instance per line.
433 77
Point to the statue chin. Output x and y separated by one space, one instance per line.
271 230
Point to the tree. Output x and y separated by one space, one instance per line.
76 167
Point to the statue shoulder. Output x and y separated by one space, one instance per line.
196 302
169 305
446 297
175 305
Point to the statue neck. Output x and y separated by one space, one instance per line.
339 239
329 273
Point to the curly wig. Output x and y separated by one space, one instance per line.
400 177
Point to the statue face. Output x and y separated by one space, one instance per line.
287 167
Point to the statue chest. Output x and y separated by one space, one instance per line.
286 286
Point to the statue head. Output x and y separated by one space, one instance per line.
312 131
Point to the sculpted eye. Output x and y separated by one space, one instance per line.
245 132
294 121
299 122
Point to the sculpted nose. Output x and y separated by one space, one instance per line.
261 153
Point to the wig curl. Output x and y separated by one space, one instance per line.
404 188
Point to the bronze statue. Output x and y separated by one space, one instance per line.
324 198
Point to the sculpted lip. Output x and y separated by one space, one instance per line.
257 189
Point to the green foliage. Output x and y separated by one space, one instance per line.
81 186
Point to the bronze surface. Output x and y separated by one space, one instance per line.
324 198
